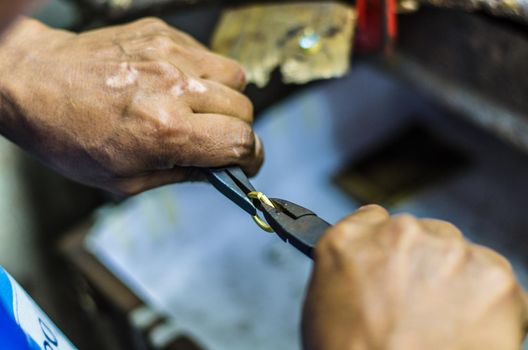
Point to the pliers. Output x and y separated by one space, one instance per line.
293 223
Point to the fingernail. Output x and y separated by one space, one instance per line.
369 207
242 78
258 145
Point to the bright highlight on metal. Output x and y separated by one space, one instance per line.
263 199
310 41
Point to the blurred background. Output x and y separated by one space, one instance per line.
414 104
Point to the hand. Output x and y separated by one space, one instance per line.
124 108
382 282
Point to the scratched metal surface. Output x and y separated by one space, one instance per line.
514 9
473 64
192 255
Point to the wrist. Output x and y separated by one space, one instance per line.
17 44
21 52
15 47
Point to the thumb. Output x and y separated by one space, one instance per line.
219 140
525 308
524 311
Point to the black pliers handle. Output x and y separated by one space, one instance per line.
293 224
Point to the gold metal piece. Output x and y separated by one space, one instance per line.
262 224
263 199
408 6
306 40
120 4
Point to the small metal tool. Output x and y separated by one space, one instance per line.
293 224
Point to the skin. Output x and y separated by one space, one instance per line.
382 282
124 108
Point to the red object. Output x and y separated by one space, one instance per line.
377 25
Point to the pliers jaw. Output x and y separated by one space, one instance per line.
294 224
234 184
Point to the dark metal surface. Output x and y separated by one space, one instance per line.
477 52
474 64
514 9
234 184
296 225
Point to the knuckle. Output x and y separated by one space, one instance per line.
503 280
168 71
334 242
374 211
456 248
444 228
374 207
496 270
162 43
456 258
155 120
401 229
151 22
493 258
405 219
404 224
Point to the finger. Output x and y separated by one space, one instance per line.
152 26
253 167
223 70
441 228
200 63
367 215
198 59
525 297
353 226
210 97
215 140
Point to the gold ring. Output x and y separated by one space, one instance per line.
262 224
263 199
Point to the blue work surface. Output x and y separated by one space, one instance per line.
190 253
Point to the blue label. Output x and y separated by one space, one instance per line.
23 325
